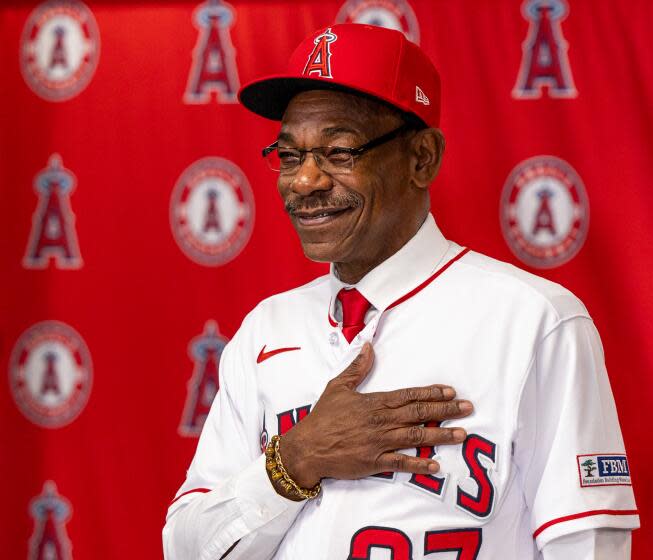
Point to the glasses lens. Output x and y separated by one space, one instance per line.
336 160
284 160
289 159
331 159
272 159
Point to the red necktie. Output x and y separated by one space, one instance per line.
354 307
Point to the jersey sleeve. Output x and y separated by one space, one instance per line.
227 497
593 544
568 446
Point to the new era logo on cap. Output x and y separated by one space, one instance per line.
420 96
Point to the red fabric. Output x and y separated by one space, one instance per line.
143 308
354 308
199 490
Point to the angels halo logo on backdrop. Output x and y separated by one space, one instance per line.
545 63
212 211
544 212
205 351
214 69
392 14
59 49
50 512
53 237
50 374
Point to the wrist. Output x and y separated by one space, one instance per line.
283 483
296 460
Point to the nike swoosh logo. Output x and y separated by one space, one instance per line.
263 355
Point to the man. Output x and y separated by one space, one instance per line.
358 370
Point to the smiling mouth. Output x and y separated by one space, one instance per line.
319 216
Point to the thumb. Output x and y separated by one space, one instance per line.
356 372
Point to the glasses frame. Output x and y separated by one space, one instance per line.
353 152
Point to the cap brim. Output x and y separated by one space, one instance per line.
269 97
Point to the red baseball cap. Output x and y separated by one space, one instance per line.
364 59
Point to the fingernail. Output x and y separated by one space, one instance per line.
459 434
448 393
433 467
465 406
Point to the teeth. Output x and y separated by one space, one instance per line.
323 215
320 215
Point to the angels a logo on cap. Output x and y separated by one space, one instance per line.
212 211
544 212
60 48
50 512
391 14
544 60
319 61
50 374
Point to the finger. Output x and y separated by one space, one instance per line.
421 436
357 371
398 462
421 412
401 397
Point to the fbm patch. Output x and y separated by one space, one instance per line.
604 469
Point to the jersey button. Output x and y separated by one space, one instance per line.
333 339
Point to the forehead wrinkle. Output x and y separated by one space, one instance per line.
331 131
284 136
331 113
326 134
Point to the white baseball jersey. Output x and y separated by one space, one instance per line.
543 464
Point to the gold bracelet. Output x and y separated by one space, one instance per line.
279 474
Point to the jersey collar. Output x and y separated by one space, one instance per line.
400 273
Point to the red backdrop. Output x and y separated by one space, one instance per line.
111 265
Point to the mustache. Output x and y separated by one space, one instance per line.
318 200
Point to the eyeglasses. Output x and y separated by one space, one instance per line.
330 159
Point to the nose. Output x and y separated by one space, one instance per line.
310 178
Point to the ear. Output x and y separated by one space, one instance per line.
427 148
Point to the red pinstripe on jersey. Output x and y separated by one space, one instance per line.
414 291
428 280
201 490
332 321
584 514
